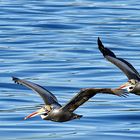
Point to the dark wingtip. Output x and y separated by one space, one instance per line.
99 42
100 46
15 79
104 51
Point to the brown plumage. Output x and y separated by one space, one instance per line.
133 85
85 94
54 111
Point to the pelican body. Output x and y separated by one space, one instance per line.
133 84
58 115
53 111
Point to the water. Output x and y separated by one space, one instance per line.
54 44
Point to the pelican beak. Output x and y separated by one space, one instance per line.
124 86
38 112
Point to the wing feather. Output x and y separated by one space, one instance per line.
122 64
46 95
85 94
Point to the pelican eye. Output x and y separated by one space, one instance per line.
133 82
44 107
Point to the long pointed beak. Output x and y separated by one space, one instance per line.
38 112
124 86
31 115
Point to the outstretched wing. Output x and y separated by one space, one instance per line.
46 95
126 67
85 94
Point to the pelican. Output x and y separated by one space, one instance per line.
133 84
53 111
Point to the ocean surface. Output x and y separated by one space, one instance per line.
54 43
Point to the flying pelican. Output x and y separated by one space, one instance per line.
53 111
133 84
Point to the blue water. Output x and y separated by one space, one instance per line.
54 43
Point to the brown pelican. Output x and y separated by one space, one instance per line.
133 84
53 111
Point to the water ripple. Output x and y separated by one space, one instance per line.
54 44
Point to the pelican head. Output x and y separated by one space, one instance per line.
130 85
43 112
